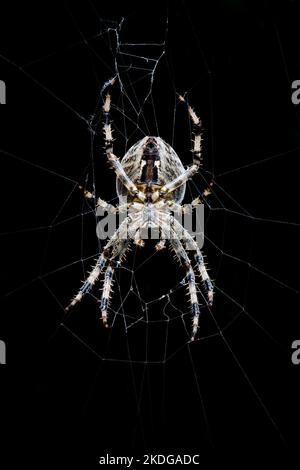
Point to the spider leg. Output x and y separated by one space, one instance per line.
194 301
186 209
106 205
120 250
122 208
86 193
107 285
161 245
196 150
89 283
197 130
111 247
190 276
208 285
184 260
112 159
100 202
179 181
178 228
175 183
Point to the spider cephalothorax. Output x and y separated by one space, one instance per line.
151 182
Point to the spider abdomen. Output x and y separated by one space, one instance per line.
150 164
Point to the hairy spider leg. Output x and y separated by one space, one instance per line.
190 276
107 285
126 234
89 283
197 131
111 246
208 285
196 150
113 159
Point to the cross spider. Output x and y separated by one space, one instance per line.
151 181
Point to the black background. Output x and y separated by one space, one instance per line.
238 60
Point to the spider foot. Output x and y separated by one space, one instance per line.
195 324
75 301
208 190
196 202
140 242
87 194
103 318
181 98
209 291
160 245
195 329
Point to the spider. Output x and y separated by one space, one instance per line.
151 182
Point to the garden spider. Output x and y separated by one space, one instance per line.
151 182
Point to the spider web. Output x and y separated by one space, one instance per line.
149 312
